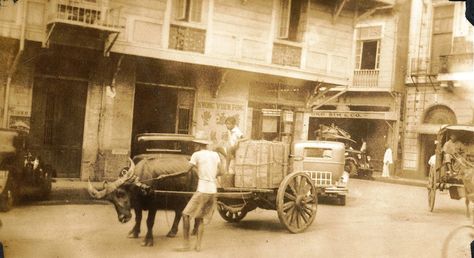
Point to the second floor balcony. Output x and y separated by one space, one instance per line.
88 23
365 78
456 63
86 13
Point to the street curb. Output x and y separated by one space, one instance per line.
401 181
66 202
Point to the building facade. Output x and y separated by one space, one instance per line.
369 108
88 76
440 79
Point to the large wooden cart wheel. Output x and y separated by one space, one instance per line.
231 214
297 202
432 181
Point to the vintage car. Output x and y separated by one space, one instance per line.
324 162
22 174
357 162
149 145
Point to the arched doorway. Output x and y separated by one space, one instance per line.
438 115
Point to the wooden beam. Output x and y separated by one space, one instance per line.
371 11
330 99
222 74
365 14
338 9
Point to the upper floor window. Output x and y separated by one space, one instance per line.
368 48
188 10
293 17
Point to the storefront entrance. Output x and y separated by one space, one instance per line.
374 132
57 123
161 110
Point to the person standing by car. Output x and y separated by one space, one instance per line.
387 161
203 202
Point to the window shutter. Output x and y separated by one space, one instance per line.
180 9
284 18
196 10
377 59
358 54
303 20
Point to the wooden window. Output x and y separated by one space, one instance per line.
442 35
293 17
188 10
184 118
368 48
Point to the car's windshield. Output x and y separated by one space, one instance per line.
318 153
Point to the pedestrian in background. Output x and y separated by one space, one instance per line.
387 161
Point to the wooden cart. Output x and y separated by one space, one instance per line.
295 200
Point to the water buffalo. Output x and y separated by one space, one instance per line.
134 189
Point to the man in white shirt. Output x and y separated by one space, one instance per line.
203 202
234 134
387 161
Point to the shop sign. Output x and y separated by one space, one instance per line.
354 115
211 115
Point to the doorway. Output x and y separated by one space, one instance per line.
57 123
427 149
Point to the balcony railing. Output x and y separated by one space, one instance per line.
423 66
187 39
365 78
286 54
457 63
87 13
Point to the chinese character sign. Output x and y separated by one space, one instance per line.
211 116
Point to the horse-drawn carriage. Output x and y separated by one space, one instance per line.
454 166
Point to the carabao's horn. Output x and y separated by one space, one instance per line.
94 193
131 169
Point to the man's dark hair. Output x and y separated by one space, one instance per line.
231 120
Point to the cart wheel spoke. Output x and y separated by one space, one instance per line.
304 216
288 205
292 187
289 196
306 188
297 218
307 210
302 186
289 215
308 199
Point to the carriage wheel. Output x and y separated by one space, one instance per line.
297 202
432 180
230 215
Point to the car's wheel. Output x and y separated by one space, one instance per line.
46 184
341 200
7 197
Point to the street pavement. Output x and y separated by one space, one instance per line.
379 220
